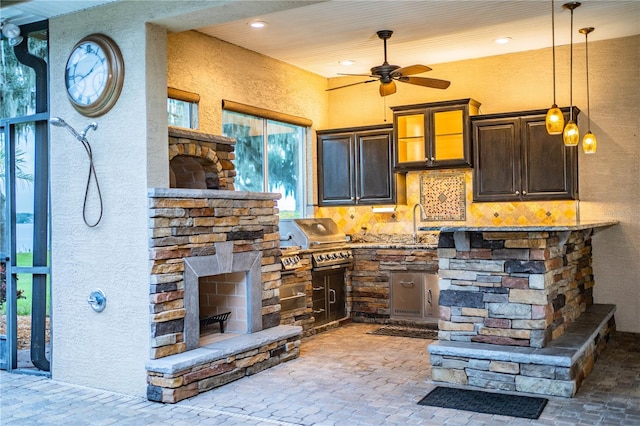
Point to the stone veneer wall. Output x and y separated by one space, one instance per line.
513 288
369 280
187 223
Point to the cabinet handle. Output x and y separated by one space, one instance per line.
517 192
318 288
429 297
407 284
319 311
332 292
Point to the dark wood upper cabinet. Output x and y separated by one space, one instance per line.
433 135
517 160
355 166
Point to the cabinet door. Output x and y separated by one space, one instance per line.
407 295
374 167
411 130
449 138
336 169
497 159
431 296
549 167
336 295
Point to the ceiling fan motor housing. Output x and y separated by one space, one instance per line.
384 71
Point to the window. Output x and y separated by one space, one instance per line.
269 158
182 108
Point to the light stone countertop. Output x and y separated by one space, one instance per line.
401 241
576 226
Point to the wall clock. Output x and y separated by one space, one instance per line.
94 75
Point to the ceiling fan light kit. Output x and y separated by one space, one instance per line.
388 74
555 119
571 133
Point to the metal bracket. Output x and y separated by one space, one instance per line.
97 300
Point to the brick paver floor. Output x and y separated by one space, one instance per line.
343 377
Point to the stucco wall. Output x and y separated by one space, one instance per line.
609 180
104 350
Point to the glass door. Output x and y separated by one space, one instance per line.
24 203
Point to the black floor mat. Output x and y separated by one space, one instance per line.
402 331
485 402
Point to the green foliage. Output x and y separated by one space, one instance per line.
17 81
24 286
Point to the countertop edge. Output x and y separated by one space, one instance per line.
577 226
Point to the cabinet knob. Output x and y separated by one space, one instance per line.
524 192
433 158
517 192
357 198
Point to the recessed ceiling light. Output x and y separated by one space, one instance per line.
503 40
257 24
347 62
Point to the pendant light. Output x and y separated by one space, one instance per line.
555 119
571 133
589 143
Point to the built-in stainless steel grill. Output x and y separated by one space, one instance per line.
319 235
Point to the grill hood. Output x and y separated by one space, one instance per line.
311 233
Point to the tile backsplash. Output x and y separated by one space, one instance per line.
443 197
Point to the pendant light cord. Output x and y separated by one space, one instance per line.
571 70
553 49
586 50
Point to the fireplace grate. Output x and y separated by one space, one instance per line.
219 318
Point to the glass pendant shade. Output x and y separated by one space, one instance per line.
554 120
589 143
571 134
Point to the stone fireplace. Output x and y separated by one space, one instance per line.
203 240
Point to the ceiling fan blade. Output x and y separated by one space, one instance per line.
352 84
411 70
426 82
387 88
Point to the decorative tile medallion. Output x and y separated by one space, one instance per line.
443 196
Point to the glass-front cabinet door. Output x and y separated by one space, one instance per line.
434 135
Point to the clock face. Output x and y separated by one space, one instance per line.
94 75
87 73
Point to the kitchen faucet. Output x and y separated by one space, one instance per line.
415 230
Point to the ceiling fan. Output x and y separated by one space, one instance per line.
389 74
